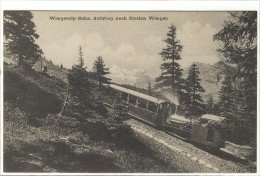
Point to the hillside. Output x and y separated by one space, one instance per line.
52 70
38 139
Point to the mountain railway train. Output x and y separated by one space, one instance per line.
157 112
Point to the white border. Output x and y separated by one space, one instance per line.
125 6
131 5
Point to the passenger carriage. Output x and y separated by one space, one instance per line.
147 108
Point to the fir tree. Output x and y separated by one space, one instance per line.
238 50
79 82
79 91
19 30
210 106
101 71
78 76
170 78
227 101
81 59
195 105
61 66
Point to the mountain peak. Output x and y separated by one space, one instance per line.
136 77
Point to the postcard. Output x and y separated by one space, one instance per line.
130 91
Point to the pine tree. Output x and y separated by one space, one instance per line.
61 66
79 82
80 91
226 95
238 50
19 30
171 76
210 105
101 71
78 76
195 106
81 59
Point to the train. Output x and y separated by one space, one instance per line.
163 114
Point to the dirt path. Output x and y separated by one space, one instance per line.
185 156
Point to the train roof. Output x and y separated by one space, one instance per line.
138 94
213 117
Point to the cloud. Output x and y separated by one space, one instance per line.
153 44
197 42
94 41
195 37
125 50
127 56
66 51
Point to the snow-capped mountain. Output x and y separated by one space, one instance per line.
136 77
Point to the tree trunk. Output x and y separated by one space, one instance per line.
173 83
65 103
99 80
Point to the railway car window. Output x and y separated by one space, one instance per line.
132 99
142 103
152 107
210 135
124 96
174 109
180 111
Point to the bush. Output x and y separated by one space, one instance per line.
236 132
63 122
96 130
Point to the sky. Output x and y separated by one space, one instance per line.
128 44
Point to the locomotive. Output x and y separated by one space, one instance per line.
159 113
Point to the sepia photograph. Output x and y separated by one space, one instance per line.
129 91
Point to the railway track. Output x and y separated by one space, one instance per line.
212 161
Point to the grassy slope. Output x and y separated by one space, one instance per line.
37 140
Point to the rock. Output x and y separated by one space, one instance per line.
194 159
172 147
209 165
49 169
201 161
167 145
183 153
161 141
35 162
150 136
164 143
216 169
109 151
155 138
